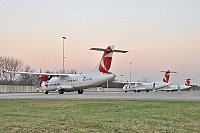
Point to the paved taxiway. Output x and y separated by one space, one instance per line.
180 96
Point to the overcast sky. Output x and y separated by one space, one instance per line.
159 35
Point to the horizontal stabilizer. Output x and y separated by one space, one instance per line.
121 51
189 79
106 50
168 71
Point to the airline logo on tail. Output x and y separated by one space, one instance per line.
105 63
187 83
166 76
106 60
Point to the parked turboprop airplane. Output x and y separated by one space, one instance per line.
77 82
141 86
178 87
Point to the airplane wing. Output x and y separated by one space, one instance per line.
33 73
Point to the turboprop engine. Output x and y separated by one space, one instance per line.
43 78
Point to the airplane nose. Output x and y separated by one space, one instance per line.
43 85
125 87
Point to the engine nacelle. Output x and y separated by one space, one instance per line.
43 78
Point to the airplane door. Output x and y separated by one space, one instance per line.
154 85
81 80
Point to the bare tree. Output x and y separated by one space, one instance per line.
68 71
11 64
71 71
27 79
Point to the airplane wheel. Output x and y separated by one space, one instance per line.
147 91
138 91
125 91
61 92
46 92
80 91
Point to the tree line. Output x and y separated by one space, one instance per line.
12 64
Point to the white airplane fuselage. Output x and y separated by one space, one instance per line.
176 88
153 86
75 82
144 86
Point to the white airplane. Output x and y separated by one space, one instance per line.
153 86
178 87
77 82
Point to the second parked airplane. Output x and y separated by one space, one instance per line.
178 87
153 86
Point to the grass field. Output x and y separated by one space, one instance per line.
99 116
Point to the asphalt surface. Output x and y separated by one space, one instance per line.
169 96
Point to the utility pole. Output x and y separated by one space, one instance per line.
63 55
130 71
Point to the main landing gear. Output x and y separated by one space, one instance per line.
60 91
80 91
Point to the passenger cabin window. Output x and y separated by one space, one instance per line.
132 84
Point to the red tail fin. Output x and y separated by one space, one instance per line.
187 83
166 76
105 63
106 60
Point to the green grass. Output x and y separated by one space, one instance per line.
115 116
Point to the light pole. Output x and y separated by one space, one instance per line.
130 71
63 55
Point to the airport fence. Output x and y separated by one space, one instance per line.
16 88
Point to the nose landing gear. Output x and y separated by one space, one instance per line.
80 91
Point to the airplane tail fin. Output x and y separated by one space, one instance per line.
187 83
106 60
167 76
